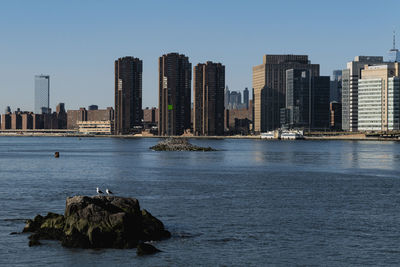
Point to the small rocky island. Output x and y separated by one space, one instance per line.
99 222
178 144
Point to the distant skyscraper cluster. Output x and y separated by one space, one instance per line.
287 93
233 99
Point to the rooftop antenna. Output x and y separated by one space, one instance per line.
394 39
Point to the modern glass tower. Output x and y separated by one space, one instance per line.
42 94
246 98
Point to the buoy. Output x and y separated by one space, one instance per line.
57 154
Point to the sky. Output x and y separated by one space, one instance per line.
76 42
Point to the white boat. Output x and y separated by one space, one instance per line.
292 135
271 135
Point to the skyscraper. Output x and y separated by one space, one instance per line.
246 98
298 98
307 100
233 100
208 90
42 94
269 83
350 78
175 77
320 102
394 54
128 94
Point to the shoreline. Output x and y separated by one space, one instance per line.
350 137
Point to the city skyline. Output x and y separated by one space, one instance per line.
76 48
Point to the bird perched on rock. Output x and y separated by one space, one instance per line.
109 192
99 191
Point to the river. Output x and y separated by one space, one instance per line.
251 203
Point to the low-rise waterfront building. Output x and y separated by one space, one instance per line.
74 116
95 127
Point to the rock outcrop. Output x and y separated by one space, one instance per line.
178 144
98 222
146 249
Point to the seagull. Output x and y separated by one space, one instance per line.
99 191
109 192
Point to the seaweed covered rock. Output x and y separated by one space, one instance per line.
98 222
178 144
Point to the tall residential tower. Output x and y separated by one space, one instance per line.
128 94
175 77
208 91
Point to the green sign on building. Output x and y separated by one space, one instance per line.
169 107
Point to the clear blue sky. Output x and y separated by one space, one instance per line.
76 42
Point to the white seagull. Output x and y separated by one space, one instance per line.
109 192
99 191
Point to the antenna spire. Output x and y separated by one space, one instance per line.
394 39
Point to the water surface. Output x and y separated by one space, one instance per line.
251 203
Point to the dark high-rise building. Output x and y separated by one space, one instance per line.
175 76
60 108
307 100
269 83
42 94
208 90
128 94
298 93
61 115
320 102
246 98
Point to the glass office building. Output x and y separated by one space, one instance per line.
42 94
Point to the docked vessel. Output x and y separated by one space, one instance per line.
271 135
292 135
